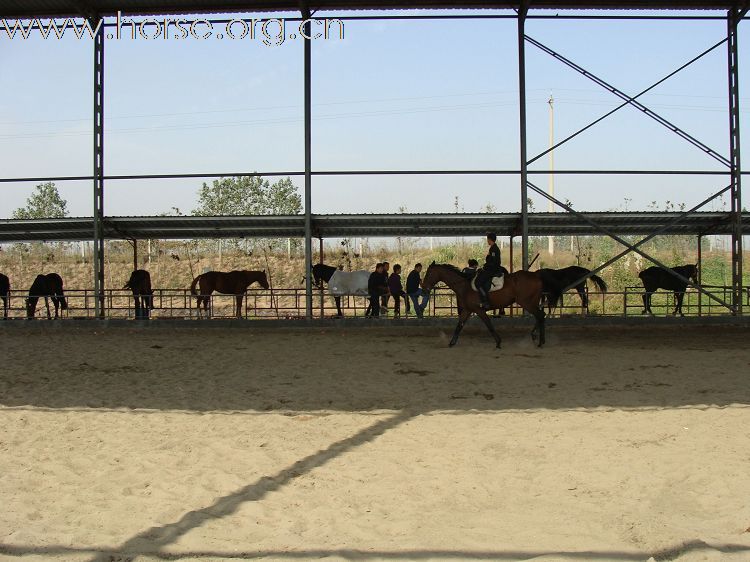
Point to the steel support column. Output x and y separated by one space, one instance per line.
733 18
522 11
98 168
308 168
700 275
322 293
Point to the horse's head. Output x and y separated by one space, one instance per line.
431 276
316 276
693 273
263 280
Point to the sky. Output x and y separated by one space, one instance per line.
390 95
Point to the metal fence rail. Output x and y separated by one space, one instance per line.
289 303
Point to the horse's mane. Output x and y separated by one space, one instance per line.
455 270
449 266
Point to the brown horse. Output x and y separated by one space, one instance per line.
49 285
522 287
143 294
229 283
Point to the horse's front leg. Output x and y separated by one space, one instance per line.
462 318
488 322
46 303
239 306
337 300
646 303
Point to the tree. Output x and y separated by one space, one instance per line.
248 195
44 203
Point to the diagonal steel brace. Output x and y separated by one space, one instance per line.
631 100
627 244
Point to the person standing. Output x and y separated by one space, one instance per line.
492 268
386 275
376 287
414 290
397 291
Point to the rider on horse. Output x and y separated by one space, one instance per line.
492 268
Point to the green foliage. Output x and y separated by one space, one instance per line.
44 203
248 195
444 254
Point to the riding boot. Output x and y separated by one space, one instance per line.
484 298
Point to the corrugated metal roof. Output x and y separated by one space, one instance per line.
343 226
70 8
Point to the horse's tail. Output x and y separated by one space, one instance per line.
193 284
599 283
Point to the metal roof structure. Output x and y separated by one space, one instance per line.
524 224
79 8
343 226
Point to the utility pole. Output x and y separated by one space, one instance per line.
550 205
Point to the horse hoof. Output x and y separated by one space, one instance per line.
452 343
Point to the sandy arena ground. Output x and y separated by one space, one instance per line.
375 444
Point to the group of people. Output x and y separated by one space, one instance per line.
382 285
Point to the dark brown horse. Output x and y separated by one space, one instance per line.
555 280
49 285
656 278
522 287
143 294
229 283
4 293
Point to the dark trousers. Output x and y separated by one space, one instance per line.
374 308
397 304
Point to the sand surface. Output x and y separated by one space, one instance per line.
376 444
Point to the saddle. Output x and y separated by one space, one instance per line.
496 285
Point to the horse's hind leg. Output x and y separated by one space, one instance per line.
584 299
239 306
463 317
488 322
538 326
678 296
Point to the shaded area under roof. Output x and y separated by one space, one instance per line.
72 8
344 226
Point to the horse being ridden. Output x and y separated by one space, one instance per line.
49 285
555 280
523 287
143 294
656 278
228 283
4 293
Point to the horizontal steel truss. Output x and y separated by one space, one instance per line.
342 226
